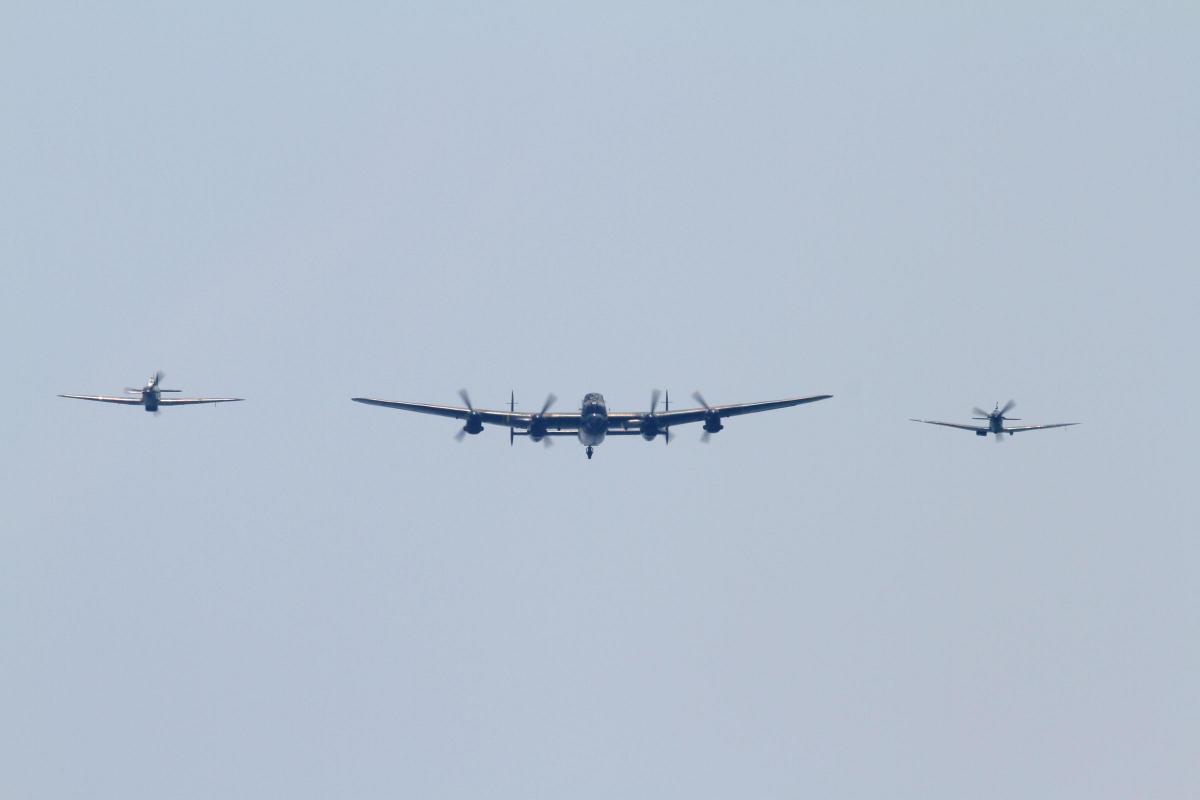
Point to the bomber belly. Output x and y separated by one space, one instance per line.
592 430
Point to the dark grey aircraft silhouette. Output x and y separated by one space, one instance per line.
995 422
593 422
150 397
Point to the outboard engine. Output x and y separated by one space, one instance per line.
712 422
474 421
712 418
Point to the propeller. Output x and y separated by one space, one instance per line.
154 384
649 426
980 413
1009 406
712 416
538 419
466 398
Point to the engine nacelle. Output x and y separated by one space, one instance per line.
712 423
537 429
650 429
474 424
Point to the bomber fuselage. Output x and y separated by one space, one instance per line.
594 424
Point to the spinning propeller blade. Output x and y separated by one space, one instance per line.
466 398
547 442
699 398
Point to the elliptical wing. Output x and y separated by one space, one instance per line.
975 428
124 401
192 401
1023 428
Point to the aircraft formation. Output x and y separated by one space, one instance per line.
591 424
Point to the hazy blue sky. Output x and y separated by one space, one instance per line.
916 208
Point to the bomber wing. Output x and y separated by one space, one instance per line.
125 401
517 419
686 415
975 428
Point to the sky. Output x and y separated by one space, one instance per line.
917 210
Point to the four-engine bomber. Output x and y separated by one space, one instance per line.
593 422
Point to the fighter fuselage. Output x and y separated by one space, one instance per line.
150 395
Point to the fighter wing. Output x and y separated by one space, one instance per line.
505 418
1021 428
975 428
686 415
125 401
191 401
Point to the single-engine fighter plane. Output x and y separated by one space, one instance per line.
150 397
593 422
995 422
